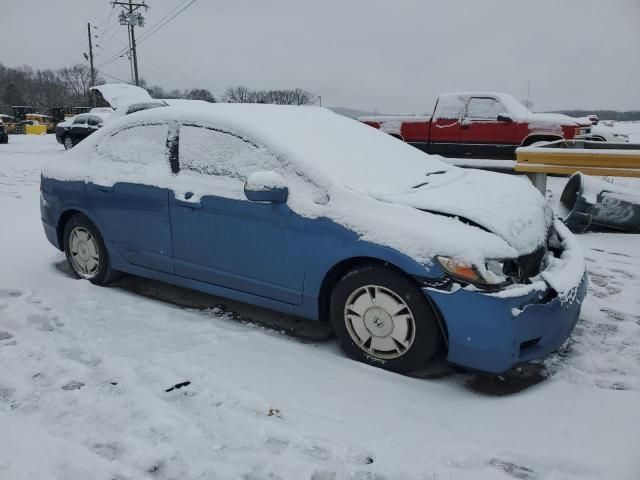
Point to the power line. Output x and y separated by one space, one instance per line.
117 55
151 32
173 13
102 72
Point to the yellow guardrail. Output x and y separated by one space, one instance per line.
537 162
35 129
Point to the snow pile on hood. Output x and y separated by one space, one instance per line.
344 170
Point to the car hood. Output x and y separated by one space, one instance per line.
122 94
507 206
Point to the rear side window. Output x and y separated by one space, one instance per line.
213 152
79 120
94 121
140 145
484 108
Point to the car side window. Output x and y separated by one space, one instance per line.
93 121
215 152
484 108
141 145
79 120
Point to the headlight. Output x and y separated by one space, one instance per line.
490 272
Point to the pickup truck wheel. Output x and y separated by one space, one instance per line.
68 142
86 252
383 319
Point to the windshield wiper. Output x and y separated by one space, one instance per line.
439 172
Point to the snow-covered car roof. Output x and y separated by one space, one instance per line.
330 148
514 108
104 116
107 110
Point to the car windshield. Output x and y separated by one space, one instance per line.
360 157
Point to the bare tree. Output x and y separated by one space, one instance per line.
242 94
237 95
77 80
200 94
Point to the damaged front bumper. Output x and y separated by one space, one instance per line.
494 332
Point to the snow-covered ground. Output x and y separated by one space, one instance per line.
86 376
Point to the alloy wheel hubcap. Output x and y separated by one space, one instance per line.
84 252
68 143
380 322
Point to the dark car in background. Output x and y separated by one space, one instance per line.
4 137
73 131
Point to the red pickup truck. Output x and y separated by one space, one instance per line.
480 125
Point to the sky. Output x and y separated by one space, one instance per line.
375 55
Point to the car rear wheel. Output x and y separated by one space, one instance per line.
85 251
382 318
68 143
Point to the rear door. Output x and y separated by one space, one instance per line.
482 134
220 237
128 196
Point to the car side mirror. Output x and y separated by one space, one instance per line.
266 187
504 117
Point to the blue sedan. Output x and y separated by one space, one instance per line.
312 214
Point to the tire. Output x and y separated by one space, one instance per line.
84 238
68 142
399 341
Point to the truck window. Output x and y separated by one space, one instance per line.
449 107
484 108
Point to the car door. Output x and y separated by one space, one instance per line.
129 196
220 237
444 134
93 124
483 134
79 128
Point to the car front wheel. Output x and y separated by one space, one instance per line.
382 318
68 143
85 251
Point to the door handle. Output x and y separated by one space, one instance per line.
103 188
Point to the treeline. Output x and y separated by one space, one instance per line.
297 96
69 86
605 114
42 89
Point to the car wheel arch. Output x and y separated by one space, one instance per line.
65 216
537 137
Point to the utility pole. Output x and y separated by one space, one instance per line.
130 18
93 71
